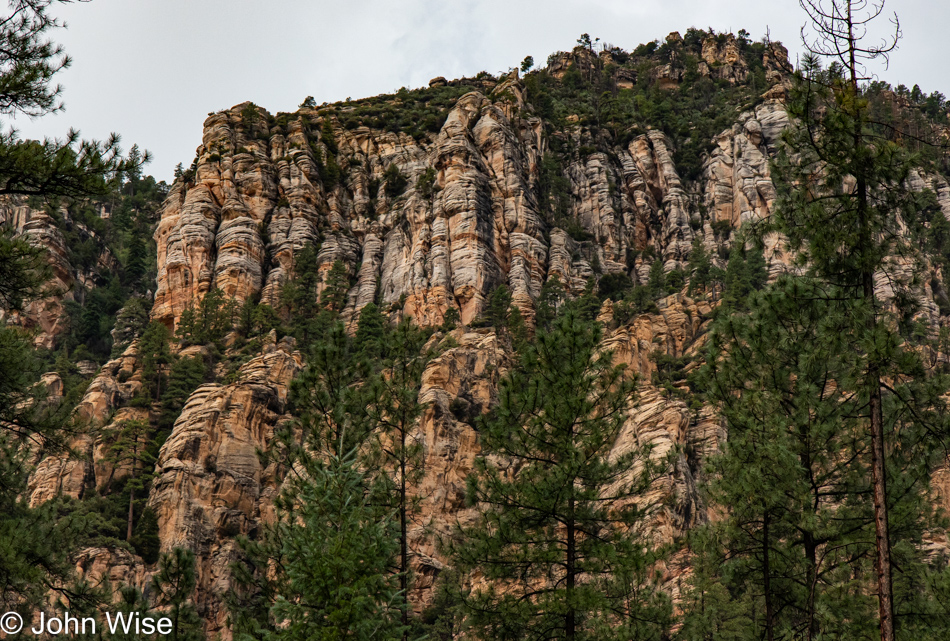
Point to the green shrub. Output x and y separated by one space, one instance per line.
396 182
426 184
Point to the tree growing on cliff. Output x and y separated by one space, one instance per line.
156 358
209 321
298 296
127 448
184 377
337 284
557 543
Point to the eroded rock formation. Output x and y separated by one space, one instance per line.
469 218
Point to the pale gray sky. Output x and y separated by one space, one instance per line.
151 70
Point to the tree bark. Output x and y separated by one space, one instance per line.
882 557
570 622
403 535
767 581
128 535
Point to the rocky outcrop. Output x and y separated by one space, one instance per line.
45 315
239 224
721 59
101 409
468 219
210 484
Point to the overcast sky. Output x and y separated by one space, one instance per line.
151 70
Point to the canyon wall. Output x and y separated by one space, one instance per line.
469 218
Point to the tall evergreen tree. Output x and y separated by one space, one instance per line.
329 398
135 263
337 284
498 305
792 475
841 195
298 296
550 301
184 377
156 358
657 279
371 332
173 587
699 266
557 543
395 410
336 542
127 447
332 547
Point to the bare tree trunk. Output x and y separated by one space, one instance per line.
128 535
882 557
570 623
403 535
767 581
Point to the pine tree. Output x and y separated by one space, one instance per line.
371 332
394 412
332 547
156 357
797 539
556 544
209 321
657 279
54 167
792 473
298 296
23 271
840 201
450 319
699 266
498 304
746 272
130 323
337 284
127 447
549 302
331 398
130 602
174 586
184 377
336 542
135 264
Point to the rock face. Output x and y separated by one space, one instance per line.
254 201
470 218
46 315
100 410
209 482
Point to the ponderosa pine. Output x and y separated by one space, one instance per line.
557 545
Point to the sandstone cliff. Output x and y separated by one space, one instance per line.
474 213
